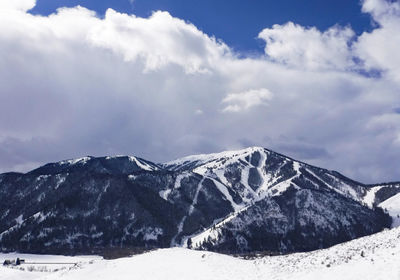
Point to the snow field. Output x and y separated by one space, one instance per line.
375 257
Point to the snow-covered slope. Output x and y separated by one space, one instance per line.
108 165
375 257
248 200
392 205
260 184
386 196
262 172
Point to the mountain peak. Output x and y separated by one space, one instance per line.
244 200
111 164
200 159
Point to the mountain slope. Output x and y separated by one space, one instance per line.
281 204
386 196
392 205
239 201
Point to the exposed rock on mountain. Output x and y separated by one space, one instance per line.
237 201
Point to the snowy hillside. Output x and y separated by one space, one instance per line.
259 184
262 172
386 196
247 200
392 205
375 257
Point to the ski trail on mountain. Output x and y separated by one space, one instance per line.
191 208
213 230
222 188
165 193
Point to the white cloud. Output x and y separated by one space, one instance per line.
379 9
22 5
379 49
309 48
245 100
159 40
73 84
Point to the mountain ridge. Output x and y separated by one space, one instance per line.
234 201
208 154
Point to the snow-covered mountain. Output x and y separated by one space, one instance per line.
237 201
375 257
386 196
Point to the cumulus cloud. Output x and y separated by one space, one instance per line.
309 48
159 40
22 5
379 9
379 48
74 84
245 100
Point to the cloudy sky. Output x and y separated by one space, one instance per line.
163 80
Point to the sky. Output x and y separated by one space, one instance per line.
315 80
236 22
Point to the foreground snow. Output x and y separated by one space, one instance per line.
392 205
374 257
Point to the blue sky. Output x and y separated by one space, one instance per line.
236 22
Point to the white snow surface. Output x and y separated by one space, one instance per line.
45 265
205 158
142 165
19 220
81 160
369 197
212 233
392 205
374 257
